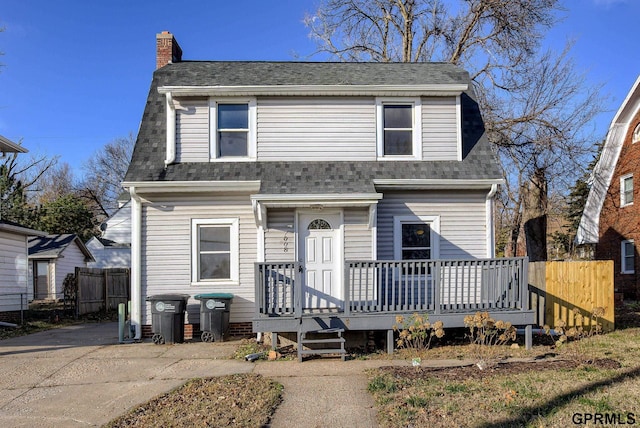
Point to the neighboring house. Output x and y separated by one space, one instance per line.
112 249
14 269
53 257
15 292
611 218
319 194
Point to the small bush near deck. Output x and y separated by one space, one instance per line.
578 331
416 332
485 331
487 334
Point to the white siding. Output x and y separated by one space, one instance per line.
439 129
316 128
462 220
71 258
279 237
166 253
192 131
13 270
118 226
109 257
357 234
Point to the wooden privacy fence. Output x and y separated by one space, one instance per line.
98 289
562 290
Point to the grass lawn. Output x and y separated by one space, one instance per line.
596 377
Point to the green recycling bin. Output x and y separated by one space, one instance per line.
214 315
167 317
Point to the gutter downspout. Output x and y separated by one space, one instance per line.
171 130
491 240
136 260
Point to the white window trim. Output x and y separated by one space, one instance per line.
416 102
251 135
233 224
635 136
434 223
623 202
623 266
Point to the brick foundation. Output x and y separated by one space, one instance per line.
10 316
235 329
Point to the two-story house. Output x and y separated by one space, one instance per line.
611 217
320 194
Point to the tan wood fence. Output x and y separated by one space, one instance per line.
572 291
99 289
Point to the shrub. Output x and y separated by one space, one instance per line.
578 331
416 332
485 331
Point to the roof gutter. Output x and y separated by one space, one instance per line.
452 89
146 187
437 184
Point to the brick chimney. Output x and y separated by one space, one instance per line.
167 49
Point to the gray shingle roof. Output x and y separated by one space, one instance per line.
52 246
147 162
250 73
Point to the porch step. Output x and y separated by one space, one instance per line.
302 341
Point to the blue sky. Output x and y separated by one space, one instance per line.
76 73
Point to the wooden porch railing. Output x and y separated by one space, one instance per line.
436 286
377 286
278 289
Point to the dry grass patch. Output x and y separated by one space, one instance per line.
600 374
241 400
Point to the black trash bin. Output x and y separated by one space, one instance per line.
167 317
214 315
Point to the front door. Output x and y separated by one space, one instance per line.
319 249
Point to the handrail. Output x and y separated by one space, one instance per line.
387 286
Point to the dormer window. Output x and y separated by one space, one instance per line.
399 128
233 129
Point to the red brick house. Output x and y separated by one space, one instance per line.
611 218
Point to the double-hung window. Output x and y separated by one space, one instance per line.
399 128
626 190
214 256
627 258
233 129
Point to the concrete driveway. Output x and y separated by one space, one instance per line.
80 376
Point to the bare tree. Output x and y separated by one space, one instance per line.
19 178
105 171
535 104
56 181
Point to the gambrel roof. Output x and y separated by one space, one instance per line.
602 174
199 78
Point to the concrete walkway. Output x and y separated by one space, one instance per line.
80 376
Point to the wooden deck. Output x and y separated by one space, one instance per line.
376 291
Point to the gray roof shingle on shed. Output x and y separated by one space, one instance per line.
52 246
147 163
